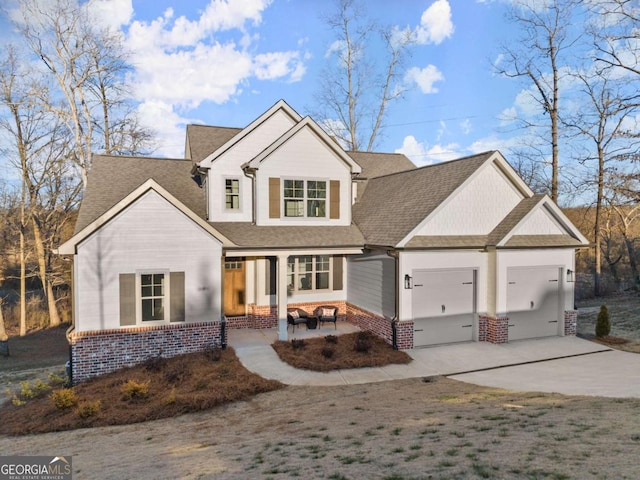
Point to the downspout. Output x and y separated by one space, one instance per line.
396 313
251 174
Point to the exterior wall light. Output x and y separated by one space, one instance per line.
408 282
570 278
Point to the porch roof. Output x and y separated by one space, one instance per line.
247 235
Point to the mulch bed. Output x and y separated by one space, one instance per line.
322 355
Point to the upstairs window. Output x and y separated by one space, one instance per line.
232 193
305 198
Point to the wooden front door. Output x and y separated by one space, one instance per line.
234 287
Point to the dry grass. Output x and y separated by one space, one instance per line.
314 354
624 313
160 388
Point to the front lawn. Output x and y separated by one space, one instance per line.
159 388
333 352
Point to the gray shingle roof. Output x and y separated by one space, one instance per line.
540 241
112 178
203 140
246 235
511 220
415 193
378 164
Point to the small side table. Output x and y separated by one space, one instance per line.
312 322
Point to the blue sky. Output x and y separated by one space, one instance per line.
224 62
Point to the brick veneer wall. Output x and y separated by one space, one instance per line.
98 352
496 329
371 322
266 316
571 322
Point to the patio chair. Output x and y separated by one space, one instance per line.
297 316
327 313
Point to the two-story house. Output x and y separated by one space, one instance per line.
169 253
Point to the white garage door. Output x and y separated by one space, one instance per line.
533 302
443 303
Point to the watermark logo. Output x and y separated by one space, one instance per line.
35 468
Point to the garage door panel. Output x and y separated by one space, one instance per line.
443 306
533 302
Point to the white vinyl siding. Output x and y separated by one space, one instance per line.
123 246
370 283
311 160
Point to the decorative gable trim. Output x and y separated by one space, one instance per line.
557 215
279 105
69 247
495 159
310 124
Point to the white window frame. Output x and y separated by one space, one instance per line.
224 195
305 198
295 286
166 297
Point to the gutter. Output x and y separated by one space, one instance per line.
250 173
396 310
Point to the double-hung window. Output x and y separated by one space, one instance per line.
305 198
232 193
308 273
153 297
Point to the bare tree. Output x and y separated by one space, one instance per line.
538 59
617 30
355 92
600 120
87 66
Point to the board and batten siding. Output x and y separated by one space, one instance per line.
370 283
304 157
476 209
228 165
149 235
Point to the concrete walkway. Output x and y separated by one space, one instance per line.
567 365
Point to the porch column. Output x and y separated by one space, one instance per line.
282 297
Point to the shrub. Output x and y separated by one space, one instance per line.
26 392
297 344
603 324
327 352
133 390
64 398
331 339
155 364
213 353
88 409
362 342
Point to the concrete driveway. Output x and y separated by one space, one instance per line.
566 365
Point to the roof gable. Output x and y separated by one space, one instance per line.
306 124
69 247
393 205
279 107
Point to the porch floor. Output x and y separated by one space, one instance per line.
258 337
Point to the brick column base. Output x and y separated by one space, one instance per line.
570 322
493 329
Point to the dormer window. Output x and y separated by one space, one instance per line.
305 198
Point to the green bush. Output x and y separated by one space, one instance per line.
603 324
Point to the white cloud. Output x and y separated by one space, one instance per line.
273 65
424 78
435 24
166 124
421 154
111 13
466 126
